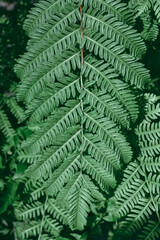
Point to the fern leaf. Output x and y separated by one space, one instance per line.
103 178
28 158
138 196
110 27
57 212
80 200
150 164
137 217
45 50
105 130
151 231
16 110
114 54
93 189
150 27
63 174
101 152
36 191
52 226
38 80
42 12
156 7
58 21
45 104
55 155
65 117
153 112
29 230
5 125
149 131
30 211
106 78
63 196
143 9
116 8
107 106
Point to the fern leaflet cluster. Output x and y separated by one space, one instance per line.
144 9
138 196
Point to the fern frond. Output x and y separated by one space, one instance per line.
132 189
29 230
140 6
80 200
5 125
138 196
151 231
77 107
143 9
16 110
36 190
150 27
30 211
63 196
150 148
28 158
74 183
53 97
52 226
137 218
48 223
154 183
153 112
149 131
93 189
151 164
156 7
47 237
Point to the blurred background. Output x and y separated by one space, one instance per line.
12 44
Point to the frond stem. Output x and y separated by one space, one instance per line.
81 79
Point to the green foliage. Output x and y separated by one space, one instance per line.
12 42
77 90
138 196
144 9
81 95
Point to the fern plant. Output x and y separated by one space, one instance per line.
138 196
145 9
10 171
78 81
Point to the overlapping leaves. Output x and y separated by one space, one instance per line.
77 106
138 195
